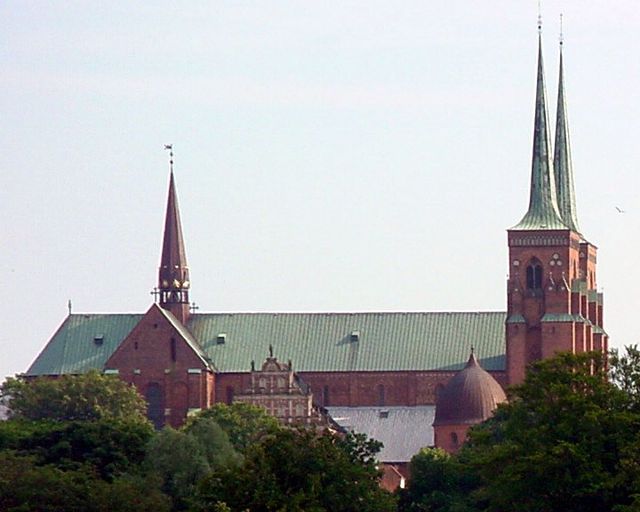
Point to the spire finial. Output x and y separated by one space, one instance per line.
539 16
561 32
69 307
169 147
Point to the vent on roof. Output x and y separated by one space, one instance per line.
355 336
98 339
383 414
221 338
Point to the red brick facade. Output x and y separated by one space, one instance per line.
552 303
165 369
352 389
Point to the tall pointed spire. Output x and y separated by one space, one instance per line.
562 159
173 275
543 210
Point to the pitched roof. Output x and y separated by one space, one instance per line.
352 341
83 342
402 430
313 341
543 208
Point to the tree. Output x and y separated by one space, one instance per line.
567 440
89 396
438 483
301 470
110 447
181 458
625 372
244 423
28 487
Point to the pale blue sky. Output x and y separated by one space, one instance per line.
329 155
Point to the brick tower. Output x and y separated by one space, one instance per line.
552 301
173 275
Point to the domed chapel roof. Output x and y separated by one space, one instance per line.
470 396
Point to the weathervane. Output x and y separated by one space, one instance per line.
539 16
169 147
561 33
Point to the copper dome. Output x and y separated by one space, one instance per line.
470 397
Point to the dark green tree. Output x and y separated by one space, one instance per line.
245 424
28 487
89 396
625 372
301 470
181 458
438 483
567 440
110 447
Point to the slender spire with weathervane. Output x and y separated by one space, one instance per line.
562 156
543 210
173 275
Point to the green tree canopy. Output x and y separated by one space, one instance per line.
244 423
28 487
181 458
109 447
439 483
89 396
568 440
301 470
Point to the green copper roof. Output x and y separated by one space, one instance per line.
543 208
313 341
83 342
562 160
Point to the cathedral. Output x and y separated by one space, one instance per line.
381 373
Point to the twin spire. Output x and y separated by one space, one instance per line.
552 202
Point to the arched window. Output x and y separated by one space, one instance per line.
534 275
454 439
325 396
439 389
380 394
155 404
230 393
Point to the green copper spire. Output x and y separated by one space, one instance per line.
543 207
562 160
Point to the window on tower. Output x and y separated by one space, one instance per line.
534 275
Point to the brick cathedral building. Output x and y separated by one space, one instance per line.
378 372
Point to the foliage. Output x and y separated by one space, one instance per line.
565 441
244 423
439 483
27 487
89 396
301 470
110 447
569 439
625 372
182 458
214 443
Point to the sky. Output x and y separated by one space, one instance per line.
329 156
